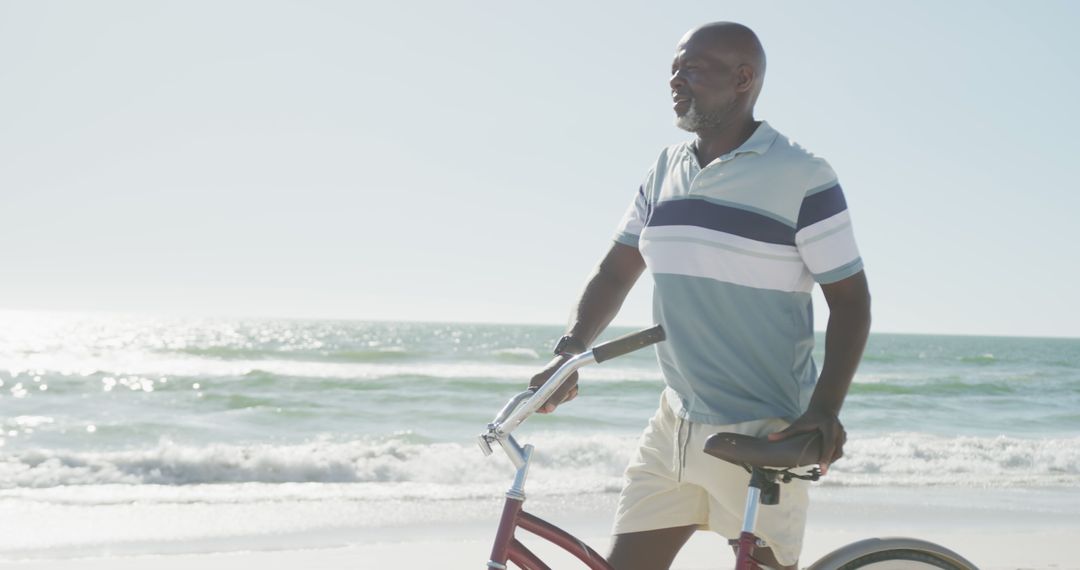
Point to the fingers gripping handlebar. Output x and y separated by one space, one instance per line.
515 412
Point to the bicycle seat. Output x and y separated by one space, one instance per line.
797 451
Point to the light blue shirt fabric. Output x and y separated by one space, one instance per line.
734 250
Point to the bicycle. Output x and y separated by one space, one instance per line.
770 464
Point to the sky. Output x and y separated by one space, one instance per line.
470 161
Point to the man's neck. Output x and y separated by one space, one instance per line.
718 141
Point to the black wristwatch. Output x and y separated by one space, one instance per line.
569 345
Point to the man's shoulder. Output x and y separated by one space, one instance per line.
801 166
785 149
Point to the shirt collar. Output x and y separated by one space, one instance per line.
758 143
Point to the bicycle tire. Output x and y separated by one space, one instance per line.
900 559
893 553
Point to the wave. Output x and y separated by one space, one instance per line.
150 365
914 459
985 358
931 388
384 354
400 459
562 462
516 354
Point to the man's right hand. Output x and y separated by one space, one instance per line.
568 391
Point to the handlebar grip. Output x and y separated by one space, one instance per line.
628 343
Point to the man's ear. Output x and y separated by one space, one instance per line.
744 78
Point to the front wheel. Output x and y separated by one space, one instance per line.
893 554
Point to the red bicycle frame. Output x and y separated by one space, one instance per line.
745 552
508 547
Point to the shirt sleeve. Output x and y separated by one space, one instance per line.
629 231
823 234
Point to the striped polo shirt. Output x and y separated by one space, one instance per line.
734 250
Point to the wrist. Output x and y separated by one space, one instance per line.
824 408
569 345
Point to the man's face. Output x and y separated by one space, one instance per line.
702 86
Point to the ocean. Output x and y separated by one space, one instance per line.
120 431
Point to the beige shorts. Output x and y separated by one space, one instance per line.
671 482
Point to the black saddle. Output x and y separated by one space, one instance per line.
745 450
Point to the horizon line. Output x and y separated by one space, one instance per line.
197 315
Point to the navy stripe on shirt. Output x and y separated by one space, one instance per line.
821 205
705 214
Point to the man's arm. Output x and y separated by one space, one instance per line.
600 302
845 339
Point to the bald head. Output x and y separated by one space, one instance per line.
735 39
735 44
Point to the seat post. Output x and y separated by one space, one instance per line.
762 490
753 498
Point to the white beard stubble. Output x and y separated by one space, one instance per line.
694 120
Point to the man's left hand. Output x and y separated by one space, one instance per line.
826 423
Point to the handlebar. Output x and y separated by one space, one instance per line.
515 412
628 343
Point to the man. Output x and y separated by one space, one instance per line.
735 228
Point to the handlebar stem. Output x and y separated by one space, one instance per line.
517 490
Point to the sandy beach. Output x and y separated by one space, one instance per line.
996 530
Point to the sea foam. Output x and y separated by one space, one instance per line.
563 462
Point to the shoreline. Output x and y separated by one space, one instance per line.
987 526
